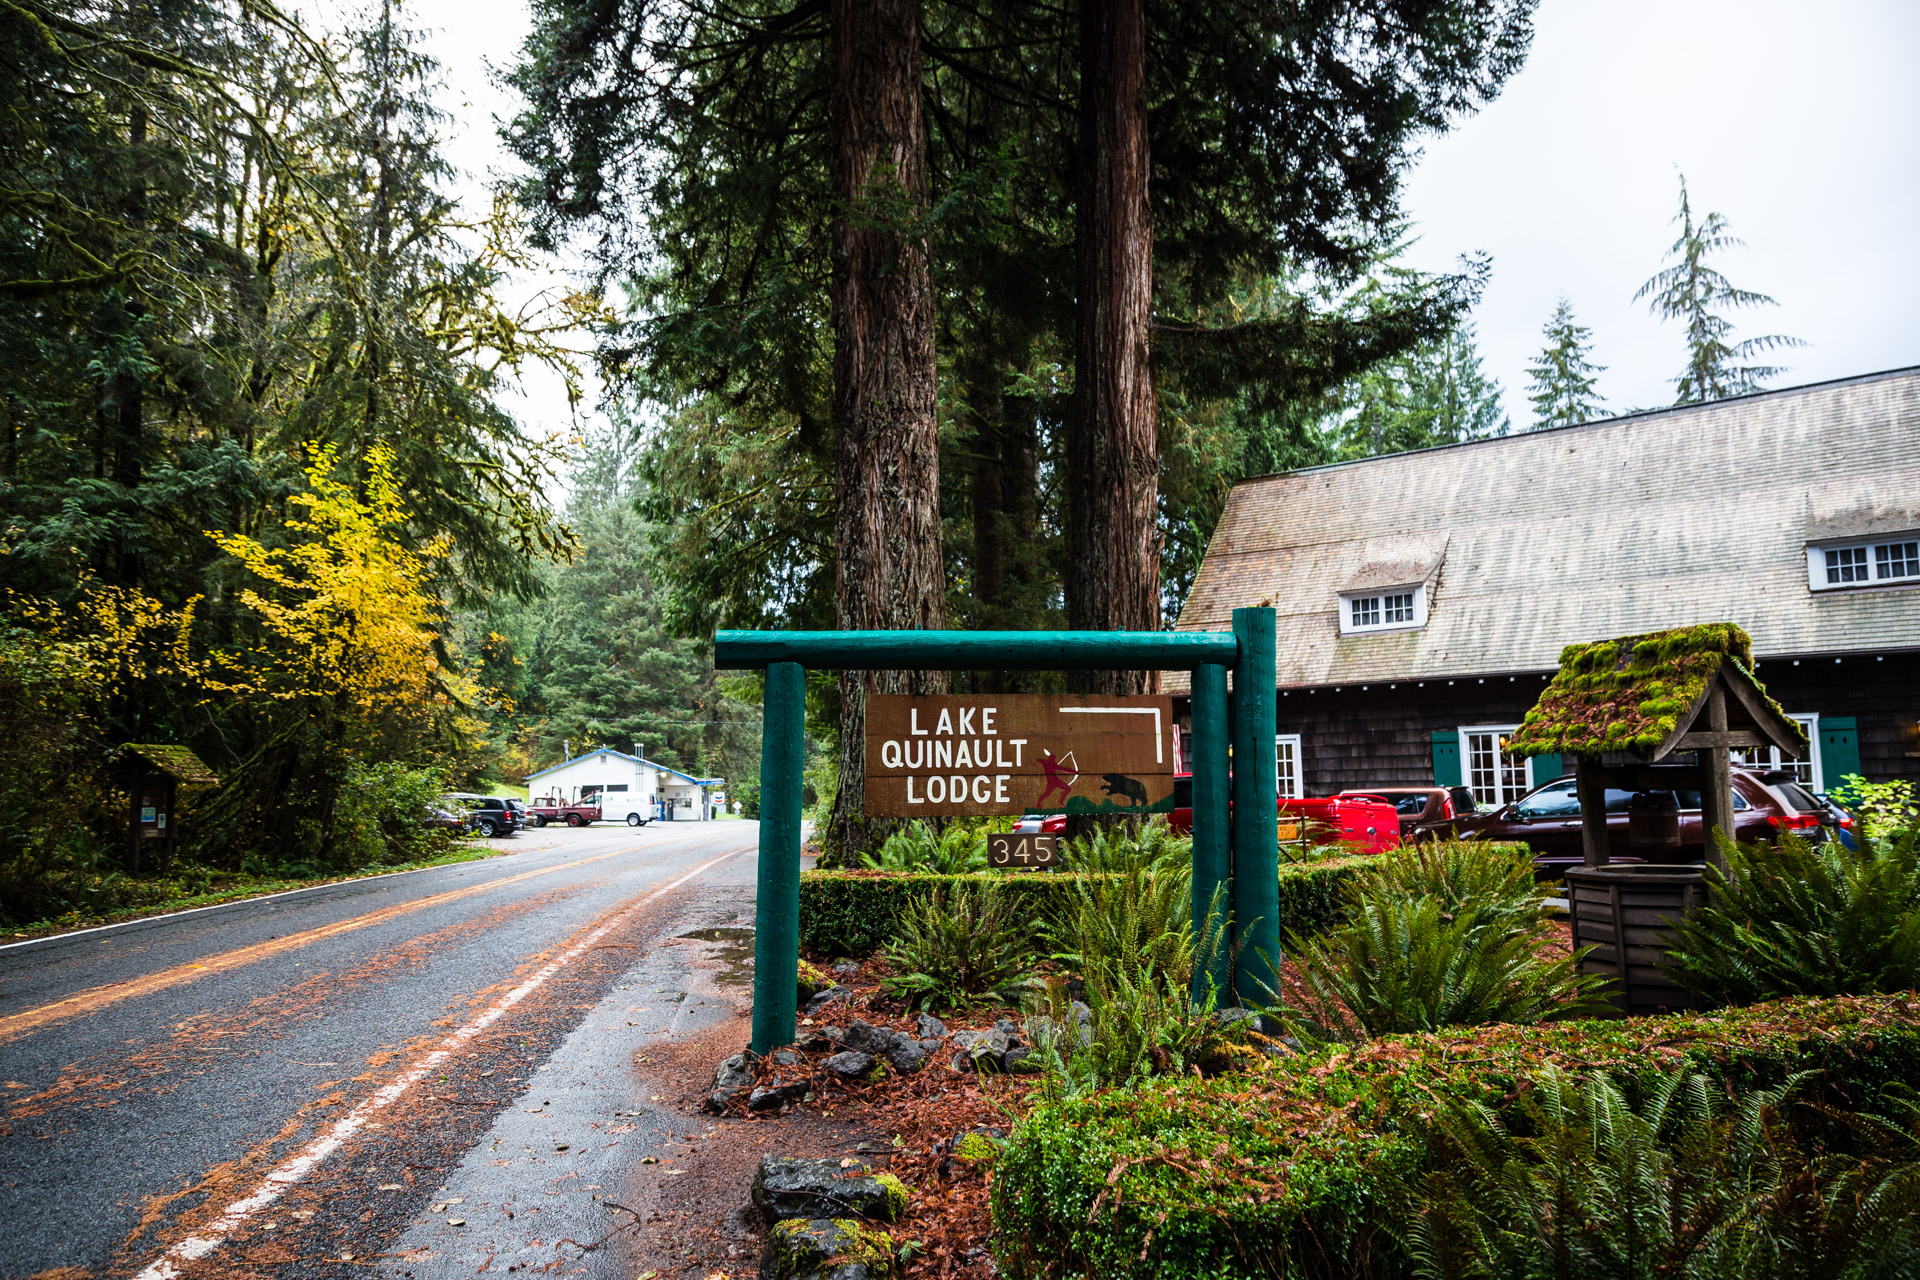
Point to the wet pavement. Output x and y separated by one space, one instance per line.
423 1075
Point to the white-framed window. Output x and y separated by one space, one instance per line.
1806 769
1289 778
1887 562
1393 609
1494 774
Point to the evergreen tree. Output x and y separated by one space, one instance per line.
1564 375
1690 291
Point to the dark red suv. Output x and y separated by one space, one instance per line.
1547 819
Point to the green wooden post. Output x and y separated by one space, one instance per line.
1256 833
776 934
1212 841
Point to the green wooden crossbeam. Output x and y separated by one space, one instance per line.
1247 651
977 650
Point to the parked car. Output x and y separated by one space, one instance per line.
1417 805
491 815
1369 824
444 818
1833 815
544 809
1547 820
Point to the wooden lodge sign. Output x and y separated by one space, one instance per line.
972 754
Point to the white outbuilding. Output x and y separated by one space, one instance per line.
631 788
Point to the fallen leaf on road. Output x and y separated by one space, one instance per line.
15 1084
649 1160
456 1222
390 1186
561 1147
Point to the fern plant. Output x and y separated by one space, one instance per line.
962 945
1129 937
1580 1184
1441 935
1673 1178
1116 846
1792 918
955 849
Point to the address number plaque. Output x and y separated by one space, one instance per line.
1020 850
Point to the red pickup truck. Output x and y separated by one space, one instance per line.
1370 825
553 809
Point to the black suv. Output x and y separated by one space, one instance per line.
491 815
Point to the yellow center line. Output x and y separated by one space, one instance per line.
15 1025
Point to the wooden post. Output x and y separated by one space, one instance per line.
776 934
1256 817
136 792
1590 785
1212 847
1716 777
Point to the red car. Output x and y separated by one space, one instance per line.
547 809
1369 824
1547 820
1418 805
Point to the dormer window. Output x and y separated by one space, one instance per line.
1894 562
1392 609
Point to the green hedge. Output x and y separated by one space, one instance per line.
852 913
1285 1172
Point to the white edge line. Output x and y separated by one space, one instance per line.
295 1168
159 917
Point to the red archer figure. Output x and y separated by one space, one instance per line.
1059 778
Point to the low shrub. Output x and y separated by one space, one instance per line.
961 945
1790 918
856 912
1300 1167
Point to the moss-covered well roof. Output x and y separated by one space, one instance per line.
178 761
1631 694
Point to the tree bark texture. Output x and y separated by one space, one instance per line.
1113 450
1003 490
887 451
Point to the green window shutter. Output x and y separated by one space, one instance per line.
1546 769
1839 749
1446 758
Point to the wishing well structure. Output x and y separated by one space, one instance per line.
1654 716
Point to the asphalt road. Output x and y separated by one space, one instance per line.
428 1074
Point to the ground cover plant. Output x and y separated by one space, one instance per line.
1315 1165
1436 934
1793 918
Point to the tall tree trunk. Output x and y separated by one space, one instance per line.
887 449
1113 451
1003 493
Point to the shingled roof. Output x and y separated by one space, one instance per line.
1531 541
1638 692
179 762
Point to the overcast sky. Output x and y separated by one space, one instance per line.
1797 121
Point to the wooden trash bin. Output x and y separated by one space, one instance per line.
1637 904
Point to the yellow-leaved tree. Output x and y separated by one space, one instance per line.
347 614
